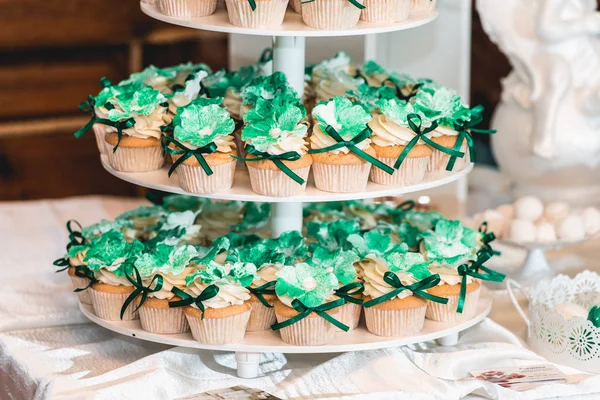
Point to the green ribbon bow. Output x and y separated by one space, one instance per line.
464 130
252 4
417 288
421 134
266 55
347 292
487 238
261 290
140 288
75 238
398 89
594 316
472 270
83 271
277 159
351 145
305 311
208 293
186 153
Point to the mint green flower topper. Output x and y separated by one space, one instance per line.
444 244
104 226
436 104
165 259
75 250
225 274
370 68
292 245
332 235
110 251
255 216
261 253
341 261
367 96
142 212
209 253
199 124
309 284
423 221
398 111
132 100
375 243
269 88
340 61
341 114
413 264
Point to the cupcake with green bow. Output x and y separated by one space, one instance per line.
256 14
202 147
306 306
187 8
155 276
350 288
341 147
398 141
216 301
111 258
276 147
386 11
332 14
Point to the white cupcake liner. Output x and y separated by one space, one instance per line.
296 6
108 305
219 330
261 317
80 283
341 178
268 13
276 183
411 172
187 8
423 6
135 159
309 331
386 11
100 133
193 179
349 315
165 321
447 312
330 14
395 322
439 160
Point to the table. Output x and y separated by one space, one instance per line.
49 350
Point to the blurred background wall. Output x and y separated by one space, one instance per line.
52 54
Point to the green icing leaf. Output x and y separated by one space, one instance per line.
370 67
444 243
410 263
291 245
261 253
309 284
398 111
375 243
341 261
110 251
200 124
341 61
238 241
165 259
268 88
332 235
409 234
142 212
367 96
208 254
223 274
341 114
255 217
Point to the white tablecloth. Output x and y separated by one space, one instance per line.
49 350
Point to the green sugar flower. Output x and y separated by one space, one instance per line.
436 104
291 244
135 100
104 226
255 216
398 111
370 68
309 284
269 88
238 241
180 202
410 263
106 94
341 261
375 243
259 254
223 274
209 253
110 251
367 96
149 76
409 235
332 235
423 221
165 259
402 80
341 114
217 83
75 250
142 212
340 61
444 244
199 124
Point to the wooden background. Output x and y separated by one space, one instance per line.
52 54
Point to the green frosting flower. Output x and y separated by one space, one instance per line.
150 75
142 212
191 87
269 88
309 284
135 100
367 96
256 216
239 241
75 250
423 221
208 254
437 104
340 61
341 261
410 263
291 245
180 202
375 243
398 111
332 235
444 244
259 254
165 259
409 235
104 226
106 94
275 122
199 124
402 80
341 114
110 251
370 68
231 273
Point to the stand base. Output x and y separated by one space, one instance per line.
247 364
449 340
535 268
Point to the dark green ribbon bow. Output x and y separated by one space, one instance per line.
487 238
140 288
277 160
75 238
472 270
417 288
208 293
83 271
266 55
252 4
421 133
262 290
399 94
347 292
321 311
186 153
351 145
464 129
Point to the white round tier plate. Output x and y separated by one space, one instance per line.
292 24
269 341
242 191
556 245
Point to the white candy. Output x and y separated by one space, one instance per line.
529 208
522 230
495 222
571 228
591 221
545 232
571 310
556 211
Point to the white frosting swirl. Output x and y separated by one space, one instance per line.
287 141
373 270
229 295
266 274
448 276
78 259
225 144
105 276
319 140
169 281
233 102
442 131
146 126
388 133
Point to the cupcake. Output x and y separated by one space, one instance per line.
306 308
256 14
220 311
423 6
162 270
397 145
275 86
316 73
95 105
276 148
338 167
187 8
107 258
81 276
373 73
202 147
332 14
296 6
386 11
336 83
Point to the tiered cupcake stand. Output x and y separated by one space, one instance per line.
288 57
